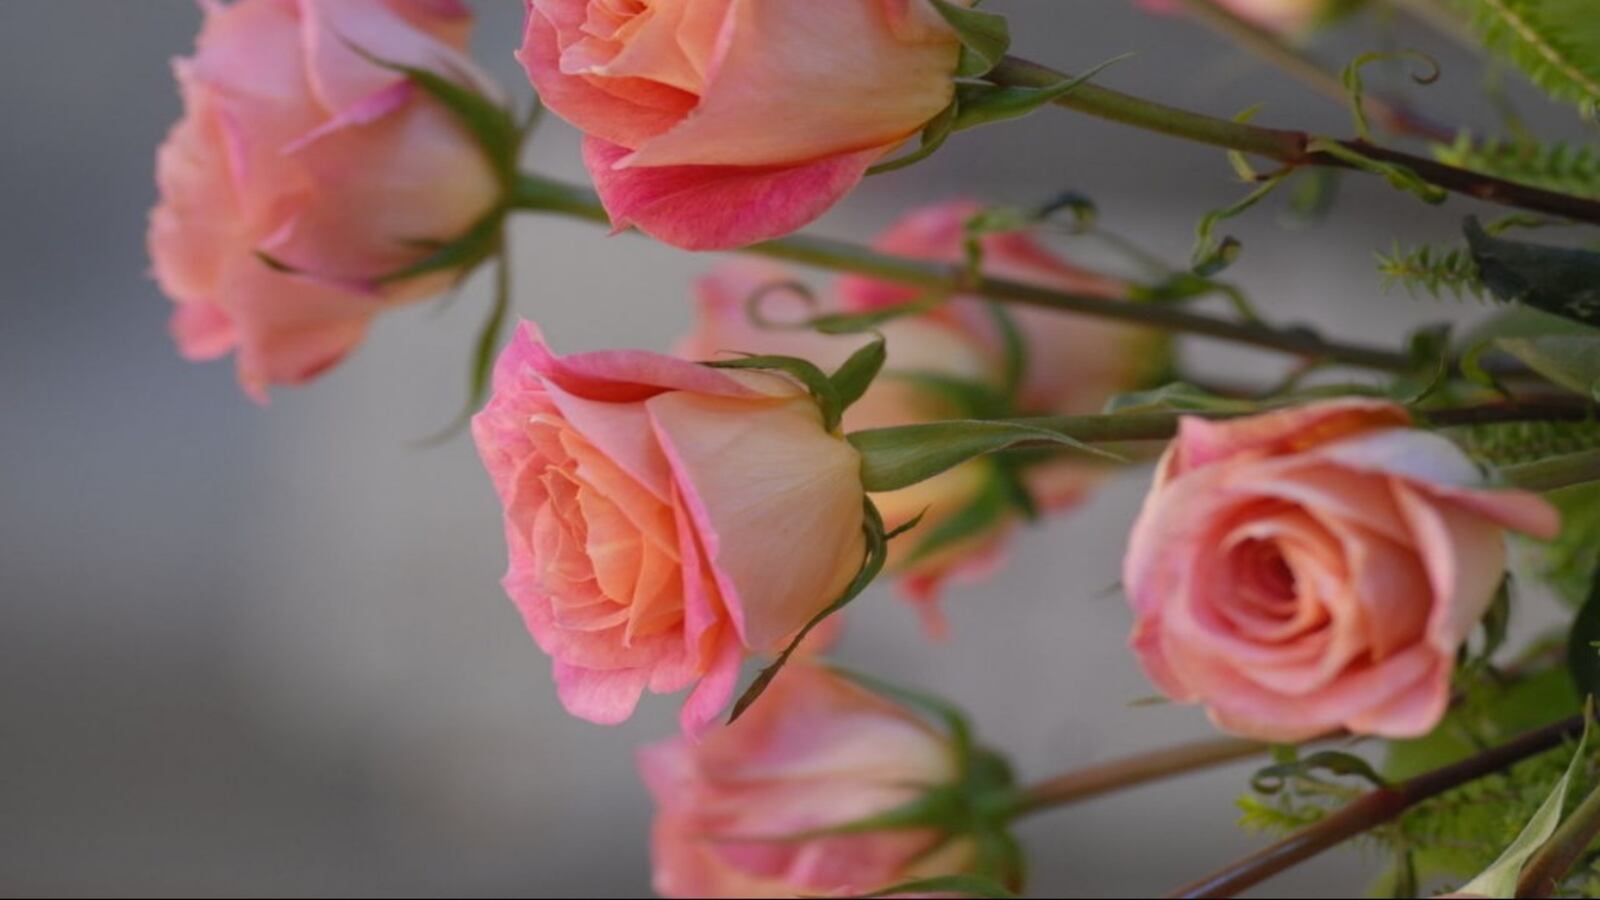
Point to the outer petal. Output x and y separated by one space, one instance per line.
1202 442
720 207
799 80
777 501
620 376
335 32
627 118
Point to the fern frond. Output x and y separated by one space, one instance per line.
1557 166
1556 43
1511 443
1435 271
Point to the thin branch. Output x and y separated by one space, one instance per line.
1093 781
543 195
1556 472
1376 808
1391 115
1292 148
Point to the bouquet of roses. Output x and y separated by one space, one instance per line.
1321 563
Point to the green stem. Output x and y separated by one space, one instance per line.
542 195
1556 472
1390 115
1375 808
1291 148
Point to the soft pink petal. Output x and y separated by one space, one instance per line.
720 207
601 697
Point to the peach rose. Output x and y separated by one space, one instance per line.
1317 568
716 123
815 753
1289 17
294 146
915 344
663 518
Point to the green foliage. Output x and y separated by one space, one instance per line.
1556 43
1557 166
1571 561
1434 271
1562 281
893 458
1511 443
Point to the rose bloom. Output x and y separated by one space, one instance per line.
915 344
1317 568
1288 17
663 517
712 123
294 146
816 752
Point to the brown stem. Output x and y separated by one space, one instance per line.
1375 808
1143 768
1292 148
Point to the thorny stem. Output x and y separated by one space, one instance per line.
1291 148
1375 808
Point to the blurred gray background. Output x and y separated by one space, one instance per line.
263 651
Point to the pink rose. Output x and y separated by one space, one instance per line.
815 753
663 518
716 123
294 146
1317 568
1288 17
915 344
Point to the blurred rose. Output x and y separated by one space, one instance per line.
716 124
663 517
815 753
294 146
1288 17
1317 568
915 344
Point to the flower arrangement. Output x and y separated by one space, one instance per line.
1323 564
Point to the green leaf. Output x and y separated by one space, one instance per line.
934 134
1272 779
1212 255
853 378
1556 43
1570 563
960 885
806 372
462 255
877 553
1430 361
1500 879
1178 396
982 104
955 721
985 37
1583 642
893 458
1572 360
1558 280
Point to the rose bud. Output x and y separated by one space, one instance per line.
916 345
1317 568
716 124
663 518
304 172
823 788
